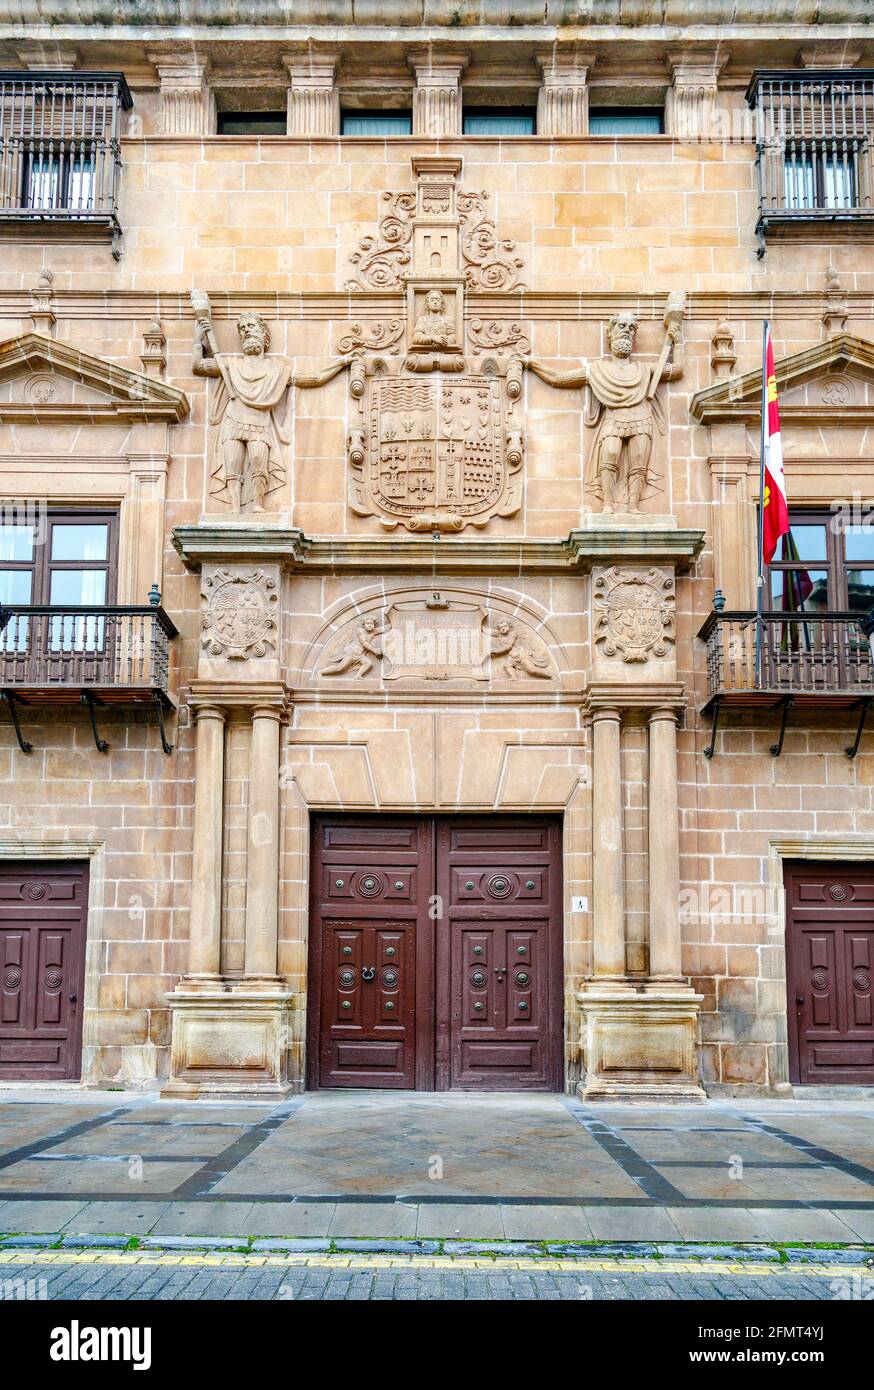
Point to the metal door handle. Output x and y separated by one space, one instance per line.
799 998
73 998
369 972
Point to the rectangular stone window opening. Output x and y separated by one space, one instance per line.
252 123
503 121
376 124
626 120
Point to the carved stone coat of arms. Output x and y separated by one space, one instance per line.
438 456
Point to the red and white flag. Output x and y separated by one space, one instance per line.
775 511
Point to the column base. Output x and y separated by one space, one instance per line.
229 1043
640 1044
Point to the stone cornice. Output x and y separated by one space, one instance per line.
412 19
242 694
246 543
570 306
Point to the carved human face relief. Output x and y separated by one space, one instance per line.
253 335
621 331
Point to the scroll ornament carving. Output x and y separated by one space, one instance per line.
634 613
239 622
490 263
381 260
375 337
495 336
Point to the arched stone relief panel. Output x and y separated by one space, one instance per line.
428 638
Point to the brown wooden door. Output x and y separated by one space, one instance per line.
371 956
43 915
499 965
829 955
436 953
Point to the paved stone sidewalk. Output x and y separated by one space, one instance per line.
368 1164
77 1281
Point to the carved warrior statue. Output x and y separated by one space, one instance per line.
249 407
623 406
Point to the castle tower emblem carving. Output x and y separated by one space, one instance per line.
436 446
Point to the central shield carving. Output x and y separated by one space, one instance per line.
436 445
435 453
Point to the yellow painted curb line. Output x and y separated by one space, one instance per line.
344 1262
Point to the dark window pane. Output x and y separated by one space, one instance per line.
15 586
800 590
859 542
376 123
16 543
77 586
805 541
79 542
628 120
498 123
252 123
860 590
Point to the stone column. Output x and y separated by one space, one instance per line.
436 95
262 878
665 956
205 929
692 99
313 98
563 99
608 903
187 102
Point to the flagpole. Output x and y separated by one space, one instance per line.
760 575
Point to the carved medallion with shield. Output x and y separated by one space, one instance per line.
634 613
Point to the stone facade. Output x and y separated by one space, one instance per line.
428 289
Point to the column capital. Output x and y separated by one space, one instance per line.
208 710
262 710
231 694
667 713
606 713
638 695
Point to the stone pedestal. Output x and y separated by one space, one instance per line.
229 1042
639 1043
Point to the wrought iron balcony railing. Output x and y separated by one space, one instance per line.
813 150
60 149
98 654
787 660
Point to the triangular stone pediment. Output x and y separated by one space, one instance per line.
832 379
45 381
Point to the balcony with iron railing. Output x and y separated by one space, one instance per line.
96 655
814 151
788 661
60 151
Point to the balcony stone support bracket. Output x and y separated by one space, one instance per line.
230 1033
638 1033
563 98
313 97
187 100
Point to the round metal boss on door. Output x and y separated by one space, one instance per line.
521 950
479 1006
346 1004
389 977
339 883
389 1004
522 978
399 883
477 950
390 950
369 885
530 884
469 885
347 950
347 977
477 978
522 1005
499 886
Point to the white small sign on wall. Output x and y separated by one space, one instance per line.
579 904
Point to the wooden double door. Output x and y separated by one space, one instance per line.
436 953
829 969
43 914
